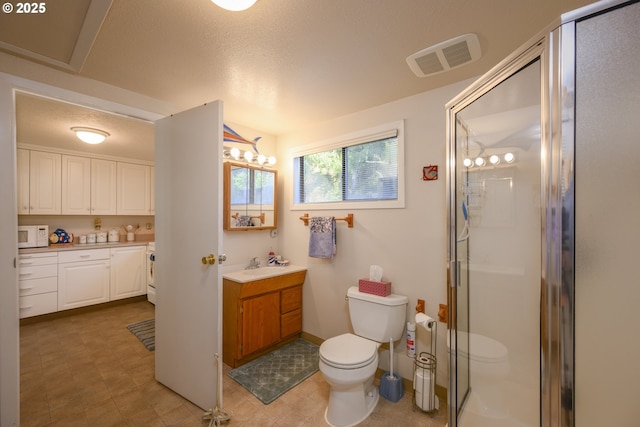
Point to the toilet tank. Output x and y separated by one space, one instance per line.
377 318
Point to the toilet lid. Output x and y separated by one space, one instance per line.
348 351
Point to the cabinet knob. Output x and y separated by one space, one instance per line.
209 259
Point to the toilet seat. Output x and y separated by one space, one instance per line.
348 351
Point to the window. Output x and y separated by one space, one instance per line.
363 170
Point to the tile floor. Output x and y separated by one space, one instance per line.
88 370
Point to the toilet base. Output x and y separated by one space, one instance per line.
350 407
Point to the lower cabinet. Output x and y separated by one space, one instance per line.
56 281
260 315
128 273
38 283
83 278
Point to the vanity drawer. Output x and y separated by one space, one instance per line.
290 299
291 323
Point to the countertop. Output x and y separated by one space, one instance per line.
57 247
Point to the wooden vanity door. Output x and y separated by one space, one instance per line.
260 322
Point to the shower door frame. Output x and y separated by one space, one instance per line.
556 350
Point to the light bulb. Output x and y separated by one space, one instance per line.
494 159
480 161
262 158
235 153
89 135
509 157
234 5
248 156
467 163
271 160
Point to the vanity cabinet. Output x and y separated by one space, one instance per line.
260 315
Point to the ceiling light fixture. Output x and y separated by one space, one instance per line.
235 5
90 135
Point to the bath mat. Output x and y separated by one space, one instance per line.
270 376
145 331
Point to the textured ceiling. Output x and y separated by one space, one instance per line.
282 63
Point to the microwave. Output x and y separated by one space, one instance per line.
33 236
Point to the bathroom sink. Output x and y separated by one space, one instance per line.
259 273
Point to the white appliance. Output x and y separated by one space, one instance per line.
33 236
151 271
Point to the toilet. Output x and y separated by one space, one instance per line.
489 366
348 362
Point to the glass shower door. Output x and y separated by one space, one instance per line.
496 225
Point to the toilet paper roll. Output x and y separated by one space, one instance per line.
424 320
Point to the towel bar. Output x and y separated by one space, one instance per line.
349 219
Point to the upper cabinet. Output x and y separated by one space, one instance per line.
103 187
22 160
44 183
134 189
250 199
76 185
61 184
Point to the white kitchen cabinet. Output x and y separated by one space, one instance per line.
76 185
22 161
133 189
103 187
38 283
88 186
152 191
128 272
44 183
83 278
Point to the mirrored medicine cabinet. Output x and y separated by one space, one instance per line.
249 197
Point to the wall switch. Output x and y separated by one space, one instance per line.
274 233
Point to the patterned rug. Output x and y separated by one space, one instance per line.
145 331
270 376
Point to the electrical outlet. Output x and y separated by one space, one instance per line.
274 233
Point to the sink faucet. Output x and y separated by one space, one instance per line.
254 263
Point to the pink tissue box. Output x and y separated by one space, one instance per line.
377 288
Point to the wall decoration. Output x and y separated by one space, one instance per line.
430 173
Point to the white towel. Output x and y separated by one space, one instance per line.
322 237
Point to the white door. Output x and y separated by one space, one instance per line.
188 227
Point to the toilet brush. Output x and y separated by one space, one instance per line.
391 387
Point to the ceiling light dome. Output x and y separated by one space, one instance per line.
90 135
234 5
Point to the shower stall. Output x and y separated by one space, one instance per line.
543 194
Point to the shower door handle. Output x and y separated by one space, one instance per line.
451 274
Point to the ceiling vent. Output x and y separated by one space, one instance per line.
445 56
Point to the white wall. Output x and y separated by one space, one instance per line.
409 243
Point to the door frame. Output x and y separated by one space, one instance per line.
10 322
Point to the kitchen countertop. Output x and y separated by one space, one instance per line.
57 247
